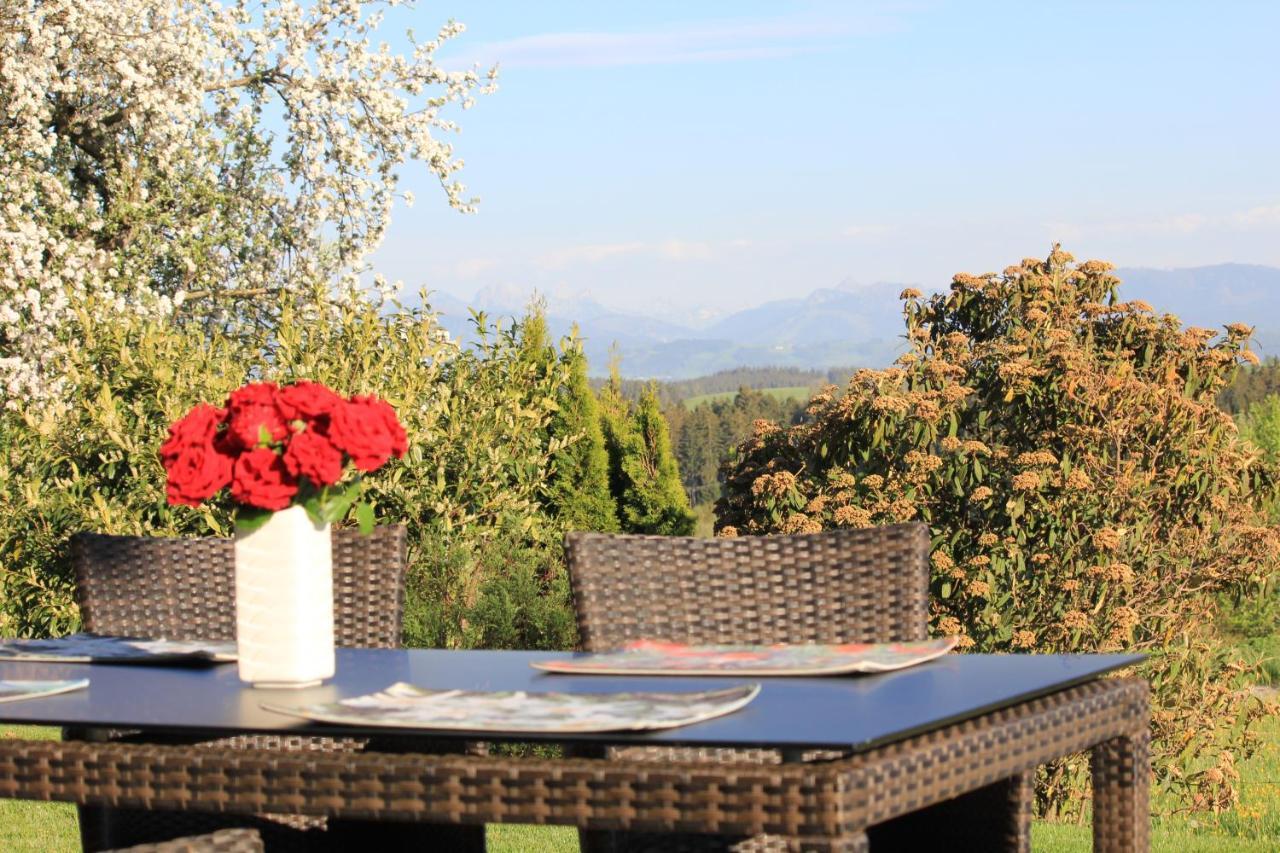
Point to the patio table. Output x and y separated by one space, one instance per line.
906 740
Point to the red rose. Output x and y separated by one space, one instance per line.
311 455
195 429
261 480
253 409
252 394
306 401
367 429
196 472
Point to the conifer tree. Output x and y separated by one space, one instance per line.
644 476
618 432
655 501
579 490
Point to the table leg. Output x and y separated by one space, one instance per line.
990 819
1121 788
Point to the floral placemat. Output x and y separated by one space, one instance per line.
96 648
649 657
12 691
406 706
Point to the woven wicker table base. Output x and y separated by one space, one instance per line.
819 806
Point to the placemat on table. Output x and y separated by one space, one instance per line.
13 690
650 657
405 706
99 648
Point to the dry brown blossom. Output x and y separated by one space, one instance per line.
773 485
1075 620
949 626
851 516
1078 480
762 428
1027 481
903 510
1124 617
1023 639
890 405
1107 539
801 523
981 589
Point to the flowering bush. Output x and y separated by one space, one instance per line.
276 446
1084 491
181 155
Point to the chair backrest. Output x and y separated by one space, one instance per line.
185 588
841 586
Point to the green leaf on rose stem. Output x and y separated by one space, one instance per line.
314 509
264 435
364 517
249 519
335 508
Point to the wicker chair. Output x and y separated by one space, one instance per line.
185 589
843 586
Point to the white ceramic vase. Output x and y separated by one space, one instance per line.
284 601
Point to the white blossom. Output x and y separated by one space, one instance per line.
163 153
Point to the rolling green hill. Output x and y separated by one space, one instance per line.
800 393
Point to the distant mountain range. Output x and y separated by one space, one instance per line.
849 324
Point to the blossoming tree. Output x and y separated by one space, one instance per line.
1084 490
192 155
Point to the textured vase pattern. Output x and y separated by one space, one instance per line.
284 601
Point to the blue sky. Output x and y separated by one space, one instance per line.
686 157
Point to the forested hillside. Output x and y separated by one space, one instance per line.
1252 385
728 381
704 436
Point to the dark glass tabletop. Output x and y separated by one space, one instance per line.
840 712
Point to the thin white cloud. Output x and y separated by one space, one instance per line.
473 267
590 254
682 250
866 231
1174 224
667 250
720 41
1256 217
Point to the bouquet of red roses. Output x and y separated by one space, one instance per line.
276 446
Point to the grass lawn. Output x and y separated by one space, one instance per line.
1253 826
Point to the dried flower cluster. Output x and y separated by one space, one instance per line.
1084 490
172 154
